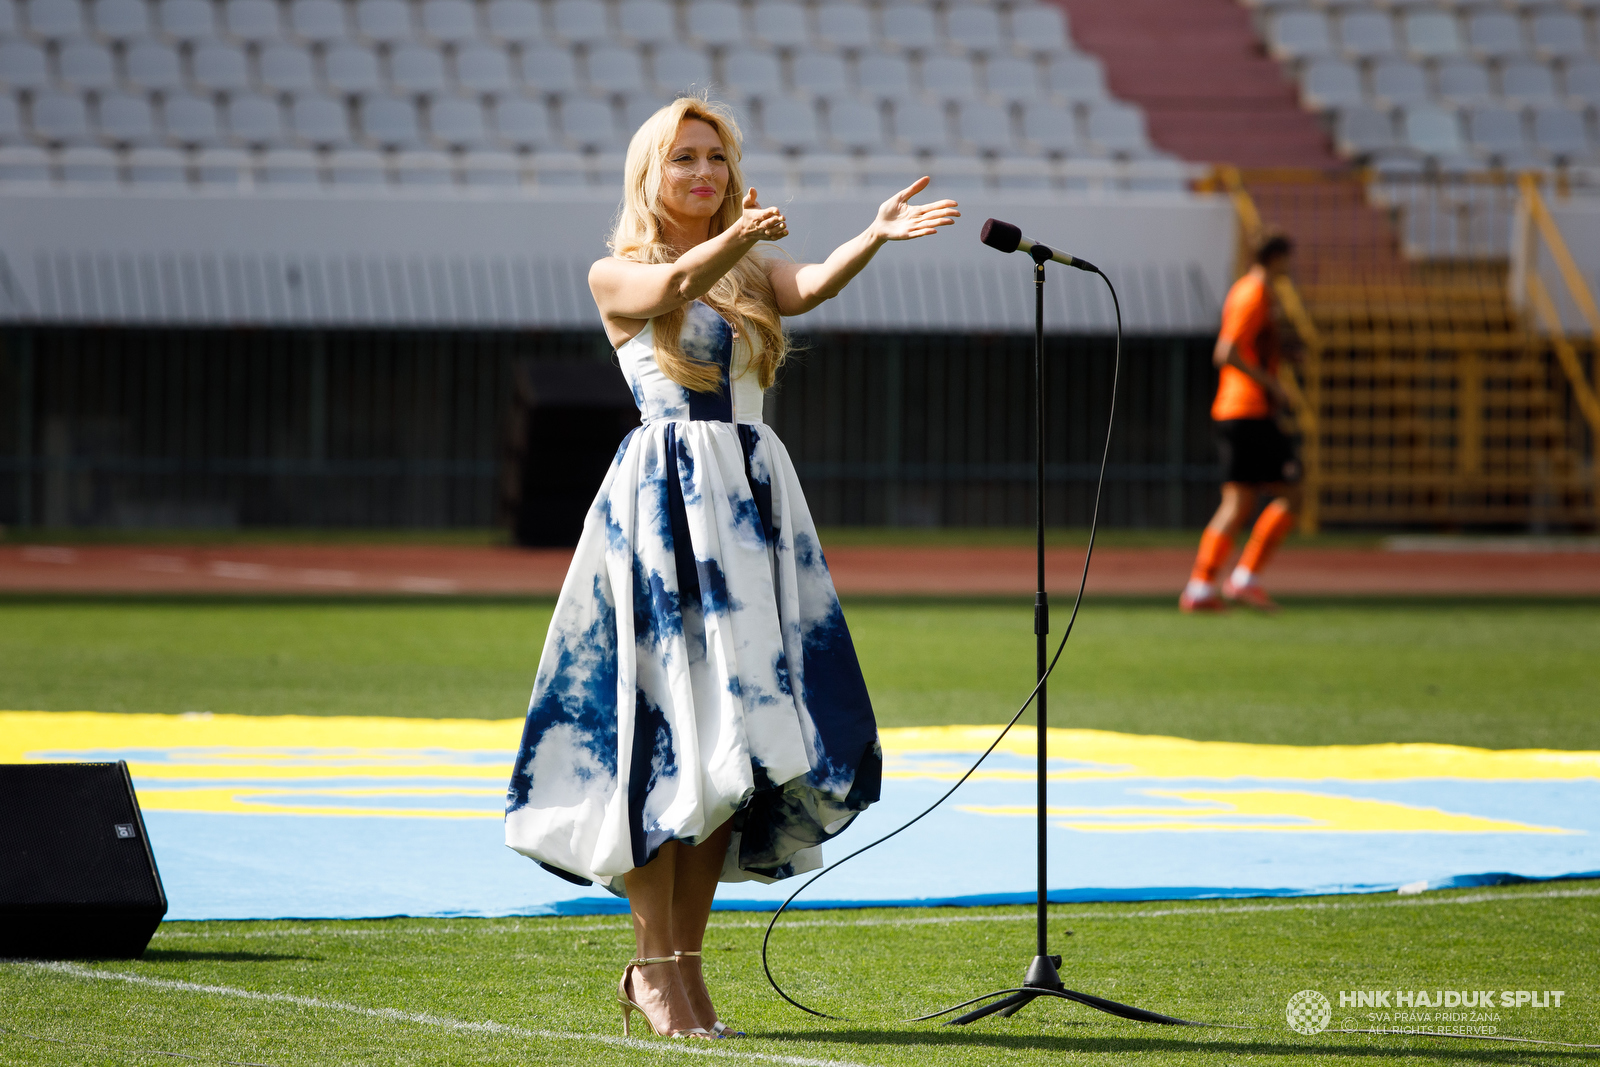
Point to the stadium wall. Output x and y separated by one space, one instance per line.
208 427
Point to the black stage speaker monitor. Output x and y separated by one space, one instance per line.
77 877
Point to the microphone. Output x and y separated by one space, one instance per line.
1008 238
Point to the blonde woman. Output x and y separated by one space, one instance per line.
698 714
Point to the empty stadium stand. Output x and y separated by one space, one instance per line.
225 94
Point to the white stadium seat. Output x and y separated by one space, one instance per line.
121 20
1463 82
252 20
10 121
515 21
974 28
855 125
1366 34
1117 127
779 24
714 22
220 67
1527 82
674 68
1431 34
125 119
949 78
819 73
1362 131
187 20
55 19
319 120
490 169
88 166
23 65
152 65
884 77
221 167
191 120
416 68
24 163
920 127
317 20
1077 78
1010 78
86 65
522 123
254 119
1581 81
483 68
384 21
390 122
588 123
844 25
457 123
1050 130
357 167
1496 131
450 21
647 21
1495 34
615 69
1558 35
1300 34
910 27
1330 84
1038 28
1432 131
288 166
548 68
984 127
789 124
1396 82
1560 132
752 73
60 118
352 68
287 68
157 166
580 21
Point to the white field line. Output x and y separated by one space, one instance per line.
536 924
420 1018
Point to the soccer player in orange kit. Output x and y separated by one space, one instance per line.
1257 455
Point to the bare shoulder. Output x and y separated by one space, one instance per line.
608 272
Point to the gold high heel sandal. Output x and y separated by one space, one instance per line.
718 1027
629 1007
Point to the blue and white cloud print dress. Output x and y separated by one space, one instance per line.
698 668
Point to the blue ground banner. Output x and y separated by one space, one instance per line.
256 817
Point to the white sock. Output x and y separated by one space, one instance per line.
1241 578
1198 590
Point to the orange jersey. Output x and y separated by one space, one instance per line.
1247 322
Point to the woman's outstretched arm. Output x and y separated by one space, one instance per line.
802 286
628 290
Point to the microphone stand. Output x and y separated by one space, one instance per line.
1042 973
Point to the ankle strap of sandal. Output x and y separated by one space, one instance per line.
680 952
643 960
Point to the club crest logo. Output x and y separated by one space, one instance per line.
1309 1012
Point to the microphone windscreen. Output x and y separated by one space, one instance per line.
1001 235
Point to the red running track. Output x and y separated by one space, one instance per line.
391 570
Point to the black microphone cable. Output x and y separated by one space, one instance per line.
1110 1006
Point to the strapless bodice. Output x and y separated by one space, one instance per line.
706 336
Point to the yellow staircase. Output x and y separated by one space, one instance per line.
1423 398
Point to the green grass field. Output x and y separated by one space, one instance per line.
507 991
1484 673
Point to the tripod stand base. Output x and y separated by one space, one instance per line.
1042 975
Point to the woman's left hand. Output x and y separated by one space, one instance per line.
900 220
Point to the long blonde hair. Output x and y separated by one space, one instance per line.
744 294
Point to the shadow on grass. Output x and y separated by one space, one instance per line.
168 955
1466 1051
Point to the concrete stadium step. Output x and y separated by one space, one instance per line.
1208 89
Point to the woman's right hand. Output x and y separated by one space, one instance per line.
762 223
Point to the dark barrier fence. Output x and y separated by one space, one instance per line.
187 428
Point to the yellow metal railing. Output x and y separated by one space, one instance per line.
1543 225
1422 397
